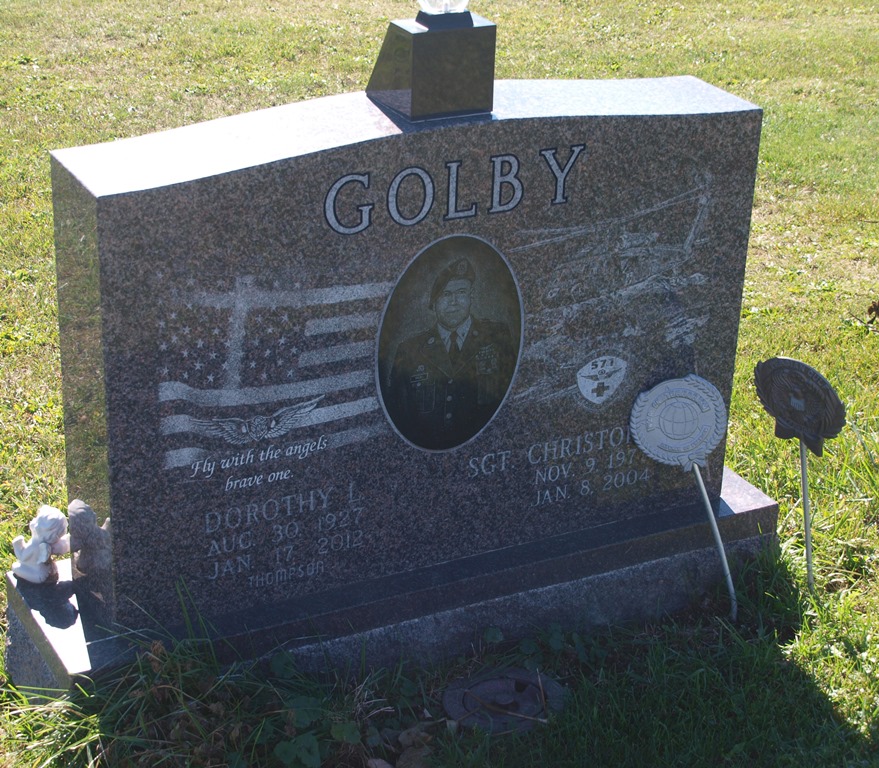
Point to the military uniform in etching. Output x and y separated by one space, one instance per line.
447 382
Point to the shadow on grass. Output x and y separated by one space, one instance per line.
693 691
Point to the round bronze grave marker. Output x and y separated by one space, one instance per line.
504 700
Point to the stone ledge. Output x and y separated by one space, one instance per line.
655 575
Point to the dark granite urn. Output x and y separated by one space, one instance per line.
436 65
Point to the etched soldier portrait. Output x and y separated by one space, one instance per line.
448 343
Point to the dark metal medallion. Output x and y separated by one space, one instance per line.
802 402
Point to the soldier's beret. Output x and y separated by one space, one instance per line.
461 269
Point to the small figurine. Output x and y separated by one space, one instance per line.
48 537
89 542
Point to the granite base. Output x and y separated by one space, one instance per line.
51 644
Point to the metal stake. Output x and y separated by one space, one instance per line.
734 605
807 514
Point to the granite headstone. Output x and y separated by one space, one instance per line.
258 392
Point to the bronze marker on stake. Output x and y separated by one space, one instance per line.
804 405
679 422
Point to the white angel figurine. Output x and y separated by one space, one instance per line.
48 537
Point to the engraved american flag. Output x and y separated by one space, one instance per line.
249 362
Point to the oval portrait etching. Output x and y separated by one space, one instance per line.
449 342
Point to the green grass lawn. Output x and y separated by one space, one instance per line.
795 682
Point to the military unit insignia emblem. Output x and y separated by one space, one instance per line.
600 378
